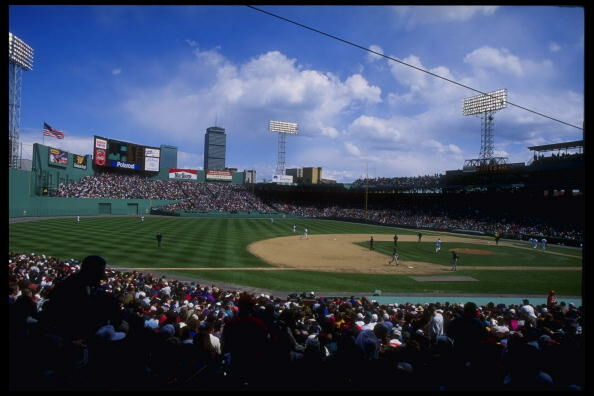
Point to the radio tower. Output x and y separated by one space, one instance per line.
20 58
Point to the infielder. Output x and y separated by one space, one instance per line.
394 257
534 243
454 260
437 245
305 233
294 228
543 243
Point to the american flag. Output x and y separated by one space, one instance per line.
49 131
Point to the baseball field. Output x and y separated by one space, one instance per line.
335 256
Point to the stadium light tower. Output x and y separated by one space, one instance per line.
20 58
486 105
282 128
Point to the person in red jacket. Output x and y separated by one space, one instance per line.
551 299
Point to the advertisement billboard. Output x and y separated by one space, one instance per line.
282 179
219 175
79 161
183 174
113 153
58 157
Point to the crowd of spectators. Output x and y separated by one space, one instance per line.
200 197
166 334
233 198
417 183
424 220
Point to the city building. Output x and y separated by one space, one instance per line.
215 144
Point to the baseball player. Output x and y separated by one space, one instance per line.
305 231
534 243
371 243
497 237
454 260
142 219
394 257
78 219
543 243
159 237
420 236
294 228
395 240
437 245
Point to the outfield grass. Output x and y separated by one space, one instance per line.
221 243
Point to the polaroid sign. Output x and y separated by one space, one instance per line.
125 165
183 174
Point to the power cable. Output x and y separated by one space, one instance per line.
406 64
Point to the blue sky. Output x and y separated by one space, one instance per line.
163 74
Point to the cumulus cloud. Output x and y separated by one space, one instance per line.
270 82
496 59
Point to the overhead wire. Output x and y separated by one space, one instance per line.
407 64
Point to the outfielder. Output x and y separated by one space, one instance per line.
437 245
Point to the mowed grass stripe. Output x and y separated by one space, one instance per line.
218 242
500 255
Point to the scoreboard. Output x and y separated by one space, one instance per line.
111 153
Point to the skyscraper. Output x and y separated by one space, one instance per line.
215 144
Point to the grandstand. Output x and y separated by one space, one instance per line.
391 322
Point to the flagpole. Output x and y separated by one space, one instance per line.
43 135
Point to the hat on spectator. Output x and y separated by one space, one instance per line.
168 330
108 333
374 317
151 323
395 342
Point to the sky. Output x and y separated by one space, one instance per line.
154 75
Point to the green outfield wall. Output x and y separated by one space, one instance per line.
24 202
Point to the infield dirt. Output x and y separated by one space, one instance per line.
339 253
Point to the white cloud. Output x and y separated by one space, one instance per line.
411 16
374 57
191 43
497 59
115 72
554 47
271 84
352 149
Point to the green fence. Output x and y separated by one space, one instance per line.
23 202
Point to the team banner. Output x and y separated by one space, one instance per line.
79 161
219 175
183 174
58 157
